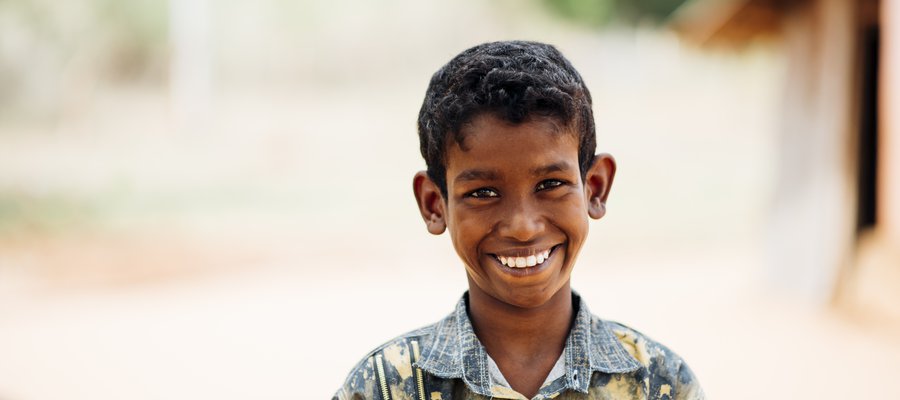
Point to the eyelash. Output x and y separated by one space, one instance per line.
475 193
553 183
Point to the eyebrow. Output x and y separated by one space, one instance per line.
476 175
555 167
489 175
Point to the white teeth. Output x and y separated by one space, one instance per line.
523 262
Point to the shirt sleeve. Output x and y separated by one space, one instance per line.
360 383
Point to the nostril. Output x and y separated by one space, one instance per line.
522 228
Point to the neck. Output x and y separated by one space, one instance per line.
514 333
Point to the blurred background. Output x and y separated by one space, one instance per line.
212 199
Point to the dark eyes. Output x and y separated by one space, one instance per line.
549 184
486 193
483 193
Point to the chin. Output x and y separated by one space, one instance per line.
528 298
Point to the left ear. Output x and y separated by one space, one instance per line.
597 182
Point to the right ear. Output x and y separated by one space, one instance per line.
431 203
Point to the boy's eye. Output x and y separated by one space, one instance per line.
483 193
549 184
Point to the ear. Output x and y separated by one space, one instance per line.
431 203
597 182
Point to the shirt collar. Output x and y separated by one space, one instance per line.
454 352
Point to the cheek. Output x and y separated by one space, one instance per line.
467 232
572 217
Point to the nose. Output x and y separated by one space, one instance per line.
522 222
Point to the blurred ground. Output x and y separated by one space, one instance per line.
265 250
272 331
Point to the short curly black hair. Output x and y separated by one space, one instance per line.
513 80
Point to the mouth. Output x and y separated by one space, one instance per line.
529 259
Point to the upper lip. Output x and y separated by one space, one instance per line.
522 251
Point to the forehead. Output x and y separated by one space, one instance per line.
488 142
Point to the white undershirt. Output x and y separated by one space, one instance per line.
559 369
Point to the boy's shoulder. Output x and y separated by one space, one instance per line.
394 370
638 345
389 368
666 370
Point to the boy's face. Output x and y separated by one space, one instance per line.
517 209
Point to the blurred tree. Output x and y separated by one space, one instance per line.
136 33
49 49
598 13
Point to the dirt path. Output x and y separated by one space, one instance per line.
269 330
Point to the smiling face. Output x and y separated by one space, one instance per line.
517 208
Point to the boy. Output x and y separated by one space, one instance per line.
507 133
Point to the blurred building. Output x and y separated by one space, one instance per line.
835 232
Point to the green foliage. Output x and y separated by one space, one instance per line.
592 13
21 213
136 33
144 21
598 13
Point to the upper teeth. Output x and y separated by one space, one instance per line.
528 261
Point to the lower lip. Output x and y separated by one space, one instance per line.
528 270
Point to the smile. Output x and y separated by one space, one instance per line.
531 260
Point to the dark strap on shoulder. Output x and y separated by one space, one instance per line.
380 377
413 347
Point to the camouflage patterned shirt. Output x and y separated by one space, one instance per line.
603 360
